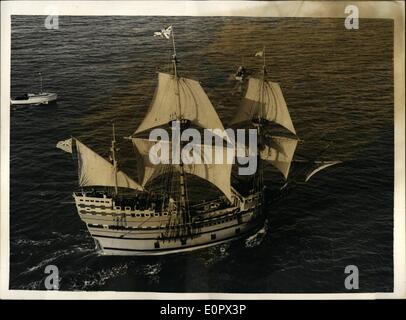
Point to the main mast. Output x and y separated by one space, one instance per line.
184 123
174 60
178 102
113 156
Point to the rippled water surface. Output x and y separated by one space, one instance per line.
338 85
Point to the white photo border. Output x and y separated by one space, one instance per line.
317 9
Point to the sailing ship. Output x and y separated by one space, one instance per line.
35 98
129 217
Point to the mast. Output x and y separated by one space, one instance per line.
183 196
179 100
259 180
40 81
174 60
263 106
183 203
113 156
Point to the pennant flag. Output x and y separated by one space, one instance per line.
164 33
259 53
65 145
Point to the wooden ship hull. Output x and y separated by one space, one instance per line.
130 230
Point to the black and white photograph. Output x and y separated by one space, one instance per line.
202 147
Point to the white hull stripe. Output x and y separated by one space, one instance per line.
155 238
184 247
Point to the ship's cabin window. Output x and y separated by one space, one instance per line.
147 214
183 242
105 226
156 245
237 231
127 208
156 214
117 208
138 215
165 213
133 215
213 236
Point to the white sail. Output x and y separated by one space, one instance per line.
147 171
177 98
94 170
217 174
65 145
264 99
279 152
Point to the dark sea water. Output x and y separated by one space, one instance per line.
338 85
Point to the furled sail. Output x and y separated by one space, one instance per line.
180 98
264 99
94 170
279 152
217 174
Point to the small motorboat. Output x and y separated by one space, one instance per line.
240 74
35 98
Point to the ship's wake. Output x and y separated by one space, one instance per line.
257 238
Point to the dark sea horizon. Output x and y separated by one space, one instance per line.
338 85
